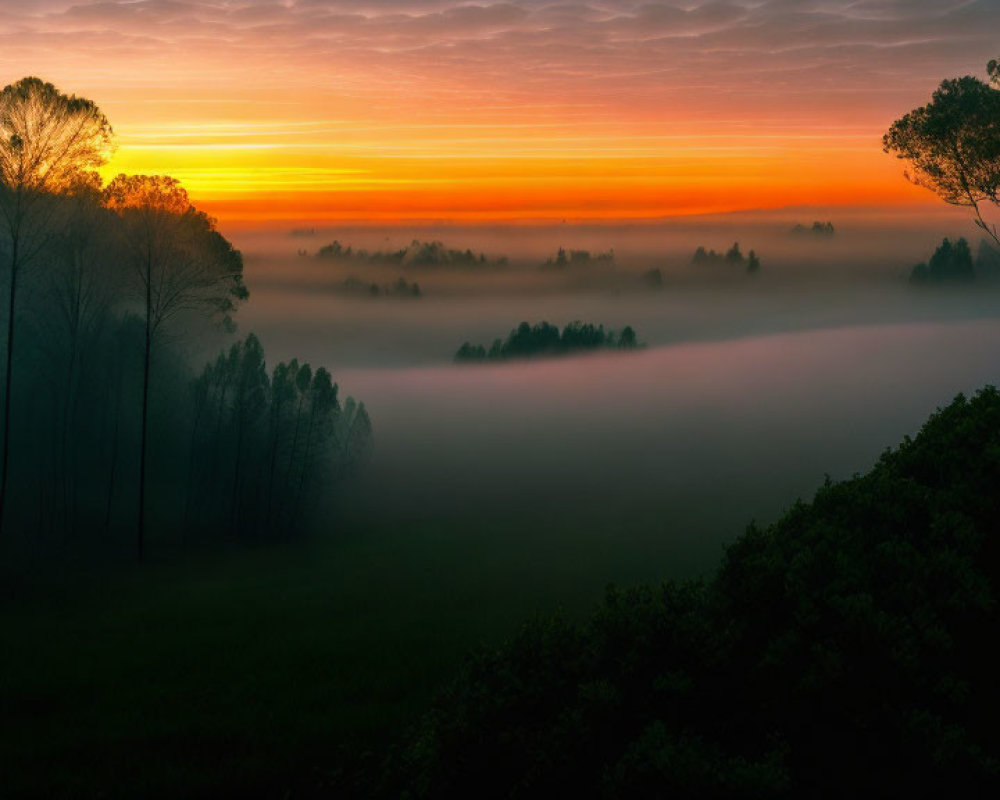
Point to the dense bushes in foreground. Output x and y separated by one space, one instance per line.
844 650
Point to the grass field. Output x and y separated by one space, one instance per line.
268 671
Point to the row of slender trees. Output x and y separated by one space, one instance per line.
103 425
263 446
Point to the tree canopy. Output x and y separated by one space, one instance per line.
50 141
175 248
952 144
842 646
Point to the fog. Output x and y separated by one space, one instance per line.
751 388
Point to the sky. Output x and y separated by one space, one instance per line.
274 110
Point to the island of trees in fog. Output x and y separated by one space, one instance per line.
417 254
820 230
565 259
732 257
543 339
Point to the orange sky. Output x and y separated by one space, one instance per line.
434 109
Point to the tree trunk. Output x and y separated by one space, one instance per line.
234 507
192 459
114 458
275 435
297 509
145 410
7 383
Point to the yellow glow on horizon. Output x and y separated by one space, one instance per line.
277 170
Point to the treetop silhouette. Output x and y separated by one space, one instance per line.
952 144
50 141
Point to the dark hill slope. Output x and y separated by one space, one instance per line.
849 649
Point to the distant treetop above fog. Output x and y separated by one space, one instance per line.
820 230
732 257
354 285
579 258
543 339
418 254
951 262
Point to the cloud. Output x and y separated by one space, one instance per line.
618 52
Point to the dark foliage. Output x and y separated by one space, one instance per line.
843 649
950 263
820 230
263 446
112 283
732 257
987 261
952 144
417 255
400 288
653 278
578 258
527 340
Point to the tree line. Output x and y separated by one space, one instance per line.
733 257
528 340
821 230
565 259
417 254
104 425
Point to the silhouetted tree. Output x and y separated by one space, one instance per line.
302 379
323 409
953 144
544 339
653 278
180 262
818 229
50 143
469 352
283 436
282 396
69 316
249 405
753 263
950 262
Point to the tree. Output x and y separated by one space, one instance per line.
50 143
953 144
950 262
69 317
180 263
249 405
282 396
627 341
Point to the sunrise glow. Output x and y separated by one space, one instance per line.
523 110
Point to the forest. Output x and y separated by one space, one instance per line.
114 294
528 340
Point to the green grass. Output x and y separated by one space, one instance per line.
265 672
